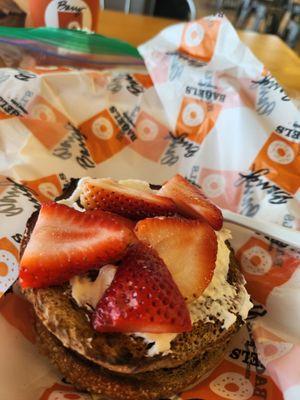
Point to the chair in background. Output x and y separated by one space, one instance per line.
289 28
244 11
193 11
280 17
260 15
227 4
127 4
180 9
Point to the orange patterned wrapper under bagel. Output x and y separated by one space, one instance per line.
202 106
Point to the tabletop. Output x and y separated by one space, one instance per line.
282 61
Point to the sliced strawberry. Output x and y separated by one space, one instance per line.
191 201
142 297
131 202
122 220
66 242
188 248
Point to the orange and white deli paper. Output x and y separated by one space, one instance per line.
205 107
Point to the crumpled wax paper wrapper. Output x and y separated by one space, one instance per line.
205 107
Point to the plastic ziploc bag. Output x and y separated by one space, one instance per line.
209 110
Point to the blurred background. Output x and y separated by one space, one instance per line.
279 17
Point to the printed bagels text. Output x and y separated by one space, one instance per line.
205 107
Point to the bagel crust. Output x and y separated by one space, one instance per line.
116 351
87 376
117 366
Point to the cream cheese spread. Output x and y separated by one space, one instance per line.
87 293
75 196
220 300
161 342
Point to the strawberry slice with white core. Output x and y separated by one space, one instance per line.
191 201
142 297
188 248
66 242
135 201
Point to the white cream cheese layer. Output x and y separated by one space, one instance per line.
75 196
87 293
220 300
161 342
